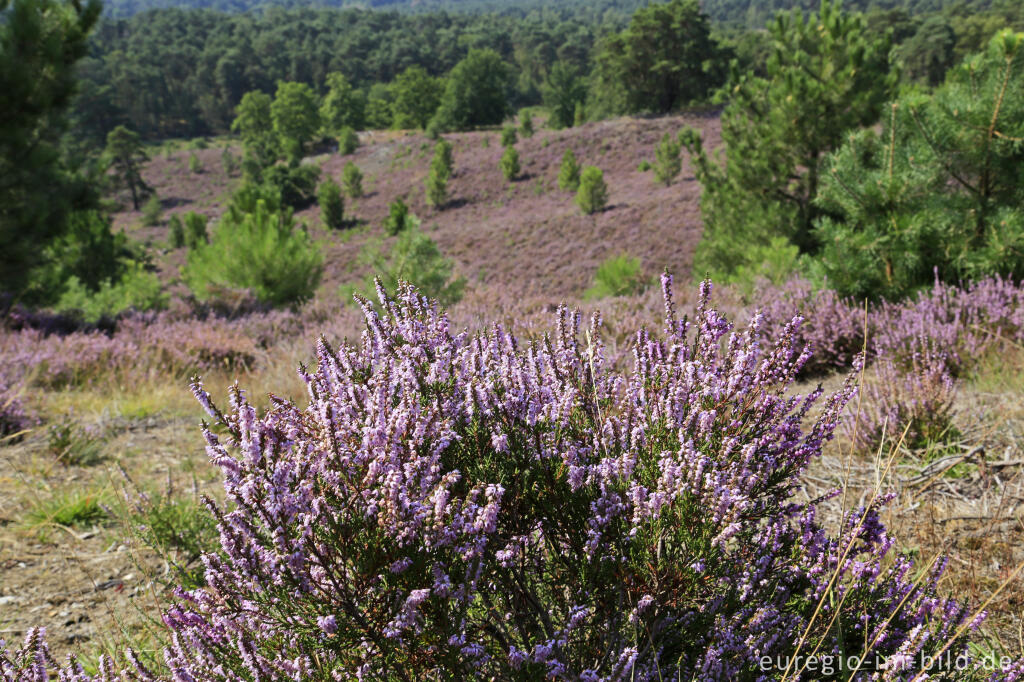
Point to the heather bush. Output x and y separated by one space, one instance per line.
479 507
262 252
332 204
13 417
667 162
509 164
620 275
592 195
352 180
508 136
569 172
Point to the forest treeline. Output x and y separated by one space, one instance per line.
182 72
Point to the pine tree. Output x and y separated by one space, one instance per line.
592 195
667 162
348 141
195 166
510 163
569 172
332 204
441 167
526 124
939 191
255 126
352 180
827 75
126 156
508 136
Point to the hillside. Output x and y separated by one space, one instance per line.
522 239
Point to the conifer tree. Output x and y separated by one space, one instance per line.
255 125
332 204
592 195
827 75
508 136
526 124
126 156
569 172
441 167
510 163
667 162
352 180
939 191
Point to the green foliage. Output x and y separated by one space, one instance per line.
509 163
564 90
229 161
620 275
195 166
75 507
441 166
195 230
295 117
41 42
579 115
296 184
665 59
378 107
135 289
941 189
667 162
526 123
352 180
177 232
508 136
343 106
262 252
87 251
569 172
476 93
827 74
592 195
417 96
930 52
348 141
644 166
415 258
126 155
152 211
399 218
255 126
332 204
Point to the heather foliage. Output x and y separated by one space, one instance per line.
476 506
263 252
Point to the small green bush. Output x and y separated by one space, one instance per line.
526 124
296 183
74 507
229 161
399 218
195 230
177 232
263 253
152 211
352 180
71 444
415 258
509 163
619 275
348 141
195 166
508 136
569 172
667 162
441 167
644 166
332 204
136 289
592 195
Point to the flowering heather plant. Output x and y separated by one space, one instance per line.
456 505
